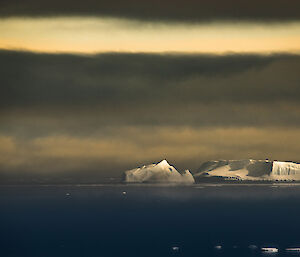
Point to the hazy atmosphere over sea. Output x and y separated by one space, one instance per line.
89 89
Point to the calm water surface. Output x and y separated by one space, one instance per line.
130 220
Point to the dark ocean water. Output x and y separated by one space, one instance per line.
101 220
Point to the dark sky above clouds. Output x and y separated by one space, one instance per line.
72 114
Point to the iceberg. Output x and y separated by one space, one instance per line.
285 171
285 168
161 172
244 170
293 249
270 249
249 169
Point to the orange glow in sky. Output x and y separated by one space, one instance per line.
91 35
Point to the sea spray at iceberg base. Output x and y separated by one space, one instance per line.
162 172
244 170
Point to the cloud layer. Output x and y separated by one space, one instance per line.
75 118
49 80
193 11
97 35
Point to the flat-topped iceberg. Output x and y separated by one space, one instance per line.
285 168
249 170
246 170
162 172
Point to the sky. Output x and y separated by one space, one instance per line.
91 88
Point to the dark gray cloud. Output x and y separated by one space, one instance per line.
106 80
78 94
175 10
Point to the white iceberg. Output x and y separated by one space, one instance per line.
285 168
293 249
162 172
249 169
269 249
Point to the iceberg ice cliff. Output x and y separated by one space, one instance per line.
162 172
249 170
246 170
285 168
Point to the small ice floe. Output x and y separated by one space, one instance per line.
124 193
218 247
269 249
175 248
293 249
252 247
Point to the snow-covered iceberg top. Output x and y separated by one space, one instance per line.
162 172
249 170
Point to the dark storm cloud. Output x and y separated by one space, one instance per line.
108 80
167 10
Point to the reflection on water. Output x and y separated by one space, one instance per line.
150 220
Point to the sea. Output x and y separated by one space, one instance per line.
151 220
